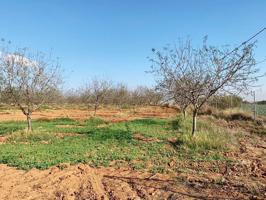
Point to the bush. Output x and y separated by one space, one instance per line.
208 110
240 116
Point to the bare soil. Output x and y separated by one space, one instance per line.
83 182
112 115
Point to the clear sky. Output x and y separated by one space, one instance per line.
112 38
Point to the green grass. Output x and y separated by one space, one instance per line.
98 143
261 109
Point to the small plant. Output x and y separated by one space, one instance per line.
88 142
31 137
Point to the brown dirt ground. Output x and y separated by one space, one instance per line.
112 115
82 182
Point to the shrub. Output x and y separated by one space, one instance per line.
240 116
208 110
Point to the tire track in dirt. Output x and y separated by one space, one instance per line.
82 182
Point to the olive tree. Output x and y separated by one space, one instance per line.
28 79
193 75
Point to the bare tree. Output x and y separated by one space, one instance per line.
29 80
170 93
195 74
105 92
138 96
119 95
75 96
151 96
97 92
182 102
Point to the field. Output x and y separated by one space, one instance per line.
261 109
143 153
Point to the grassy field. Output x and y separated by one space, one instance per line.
150 157
261 109
151 144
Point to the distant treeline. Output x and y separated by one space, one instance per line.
101 92
261 102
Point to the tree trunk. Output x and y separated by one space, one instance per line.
95 108
29 122
194 122
184 113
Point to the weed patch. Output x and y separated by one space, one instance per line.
115 144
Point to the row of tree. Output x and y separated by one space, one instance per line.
186 76
101 92
29 80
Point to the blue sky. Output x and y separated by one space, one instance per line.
112 38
